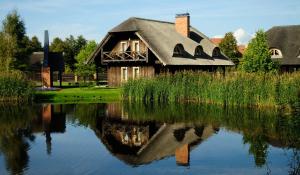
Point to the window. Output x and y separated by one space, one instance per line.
178 50
124 46
135 72
275 53
199 51
124 74
216 52
136 46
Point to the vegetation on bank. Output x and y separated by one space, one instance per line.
15 87
75 95
236 88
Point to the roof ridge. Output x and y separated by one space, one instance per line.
153 20
283 26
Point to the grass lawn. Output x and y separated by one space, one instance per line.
79 95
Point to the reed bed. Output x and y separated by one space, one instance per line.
236 88
15 87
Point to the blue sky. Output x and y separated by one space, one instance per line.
93 18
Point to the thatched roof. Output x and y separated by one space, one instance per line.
162 37
287 40
56 60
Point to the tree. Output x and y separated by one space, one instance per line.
257 57
82 68
71 49
7 51
57 45
229 46
35 44
14 30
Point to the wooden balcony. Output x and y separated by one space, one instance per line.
124 56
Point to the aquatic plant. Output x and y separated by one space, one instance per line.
236 88
15 87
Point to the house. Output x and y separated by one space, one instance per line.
284 43
47 63
144 48
241 48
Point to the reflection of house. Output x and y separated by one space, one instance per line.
52 120
138 143
142 48
284 43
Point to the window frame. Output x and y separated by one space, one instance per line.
122 48
133 72
273 53
122 74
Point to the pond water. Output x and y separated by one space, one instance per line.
145 139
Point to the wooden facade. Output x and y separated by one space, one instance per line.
144 48
116 75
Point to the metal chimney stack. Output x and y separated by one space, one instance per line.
46 49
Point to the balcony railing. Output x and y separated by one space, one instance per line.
124 56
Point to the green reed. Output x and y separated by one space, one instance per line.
15 87
236 88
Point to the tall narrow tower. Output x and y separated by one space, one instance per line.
46 72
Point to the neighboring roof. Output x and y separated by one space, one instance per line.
162 37
287 40
242 49
216 41
56 60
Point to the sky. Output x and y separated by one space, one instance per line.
94 18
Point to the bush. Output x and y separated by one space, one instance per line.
15 87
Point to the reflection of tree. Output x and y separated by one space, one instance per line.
15 132
295 163
15 149
258 147
88 114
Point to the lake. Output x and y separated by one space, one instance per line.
127 138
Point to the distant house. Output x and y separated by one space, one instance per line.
143 48
241 48
284 43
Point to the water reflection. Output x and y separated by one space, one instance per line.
140 134
18 126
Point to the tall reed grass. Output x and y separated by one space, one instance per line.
15 87
236 88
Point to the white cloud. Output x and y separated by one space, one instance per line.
242 36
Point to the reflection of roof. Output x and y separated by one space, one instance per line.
56 61
287 40
162 144
162 37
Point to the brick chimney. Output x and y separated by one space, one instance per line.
182 24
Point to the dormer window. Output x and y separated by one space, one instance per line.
275 53
216 52
199 51
178 50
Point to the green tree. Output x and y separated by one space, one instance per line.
82 68
72 48
14 27
257 57
229 46
57 45
7 51
35 44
